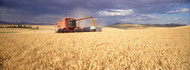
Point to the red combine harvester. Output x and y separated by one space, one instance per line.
70 25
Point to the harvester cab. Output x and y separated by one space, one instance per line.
70 25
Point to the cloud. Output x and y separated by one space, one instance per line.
25 10
9 15
116 12
138 18
12 15
179 10
145 17
37 7
172 19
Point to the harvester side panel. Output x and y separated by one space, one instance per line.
61 24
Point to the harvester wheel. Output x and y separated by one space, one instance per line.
60 30
64 30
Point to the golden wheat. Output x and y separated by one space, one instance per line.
146 49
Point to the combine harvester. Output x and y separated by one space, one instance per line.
69 25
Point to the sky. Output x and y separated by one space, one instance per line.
105 12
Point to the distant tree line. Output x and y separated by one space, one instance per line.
158 25
165 25
19 26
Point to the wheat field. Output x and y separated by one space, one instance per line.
112 49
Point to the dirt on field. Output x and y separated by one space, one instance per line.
140 49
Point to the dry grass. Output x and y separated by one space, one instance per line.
147 49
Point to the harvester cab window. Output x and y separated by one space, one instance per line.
71 23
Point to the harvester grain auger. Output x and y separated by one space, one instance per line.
70 25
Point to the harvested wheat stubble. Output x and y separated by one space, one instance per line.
159 48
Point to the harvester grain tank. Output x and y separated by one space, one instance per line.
71 25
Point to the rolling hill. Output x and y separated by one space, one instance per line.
142 26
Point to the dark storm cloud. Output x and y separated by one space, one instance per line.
36 7
52 10
151 6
